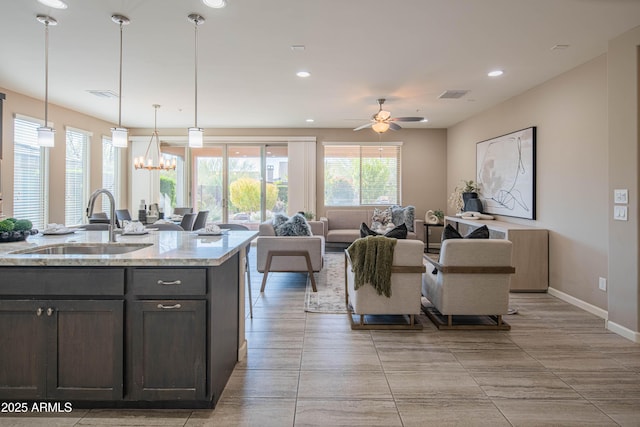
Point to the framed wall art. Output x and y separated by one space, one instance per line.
506 173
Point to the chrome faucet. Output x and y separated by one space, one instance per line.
112 216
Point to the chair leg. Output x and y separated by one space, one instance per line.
248 271
267 267
310 270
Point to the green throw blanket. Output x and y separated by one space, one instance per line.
371 259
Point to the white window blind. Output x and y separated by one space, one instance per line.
110 170
76 176
358 175
30 189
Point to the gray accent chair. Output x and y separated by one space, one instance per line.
295 254
473 279
406 286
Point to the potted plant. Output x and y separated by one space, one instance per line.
440 215
464 191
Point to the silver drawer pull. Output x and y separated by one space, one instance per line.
175 282
39 311
169 306
49 311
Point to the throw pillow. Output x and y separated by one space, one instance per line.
405 215
399 232
297 225
366 231
278 220
381 216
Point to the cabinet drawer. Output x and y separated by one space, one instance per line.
62 281
169 281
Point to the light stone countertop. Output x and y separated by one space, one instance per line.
169 248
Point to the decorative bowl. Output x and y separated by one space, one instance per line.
16 236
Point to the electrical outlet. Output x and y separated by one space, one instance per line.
602 284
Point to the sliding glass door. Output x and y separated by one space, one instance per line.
239 183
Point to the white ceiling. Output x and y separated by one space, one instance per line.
408 51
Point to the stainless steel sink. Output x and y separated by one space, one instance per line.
84 249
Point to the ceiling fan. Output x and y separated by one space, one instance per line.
382 120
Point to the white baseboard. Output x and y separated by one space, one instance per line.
579 303
623 332
597 311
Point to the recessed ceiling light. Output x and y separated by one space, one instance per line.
303 74
216 4
297 47
56 4
310 120
495 73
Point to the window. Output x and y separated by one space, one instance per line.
76 176
110 170
30 184
356 175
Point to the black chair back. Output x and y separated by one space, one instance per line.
201 220
122 215
187 221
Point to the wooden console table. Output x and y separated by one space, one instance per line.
530 250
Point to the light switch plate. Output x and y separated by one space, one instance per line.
620 213
621 196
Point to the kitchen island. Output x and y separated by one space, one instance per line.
159 326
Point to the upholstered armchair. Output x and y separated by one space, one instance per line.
406 282
303 254
472 279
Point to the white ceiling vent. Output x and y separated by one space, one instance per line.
453 94
103 93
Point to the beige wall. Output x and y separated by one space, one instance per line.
624 129
60 117
423 158
570 113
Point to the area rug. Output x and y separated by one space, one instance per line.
330 297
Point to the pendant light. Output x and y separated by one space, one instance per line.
119 135
147 162
46 135
196 133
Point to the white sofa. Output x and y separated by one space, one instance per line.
287 253
406 285
473 278
343 225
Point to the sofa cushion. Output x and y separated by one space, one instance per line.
295 226
403 215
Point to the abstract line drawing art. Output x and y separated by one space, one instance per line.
505 171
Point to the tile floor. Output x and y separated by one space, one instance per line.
557 366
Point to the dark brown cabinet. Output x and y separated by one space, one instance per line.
168 339
61 349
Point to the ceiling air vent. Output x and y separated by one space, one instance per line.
103 93
453 94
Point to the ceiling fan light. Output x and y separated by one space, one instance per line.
46 136
383 115
216 4
56 4
196 137
119 137
380 127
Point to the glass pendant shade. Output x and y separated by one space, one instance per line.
119 137
380 127
195 137
46 136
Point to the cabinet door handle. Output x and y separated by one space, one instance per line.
49 311
175 282
39 311
169 306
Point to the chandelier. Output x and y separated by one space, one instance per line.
146 162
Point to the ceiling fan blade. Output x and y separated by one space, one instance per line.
394 126
368 125
407 119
